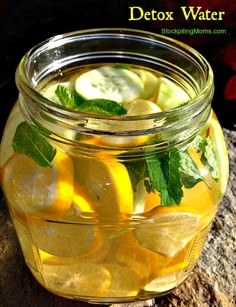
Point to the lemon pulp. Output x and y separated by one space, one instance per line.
38 190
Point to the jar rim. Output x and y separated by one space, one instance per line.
196 106
58 39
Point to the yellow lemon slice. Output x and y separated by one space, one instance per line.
36 190
163 283
135 108
143 261
150 81
97 252
125 282
60 243
66 239
107 184
77 279
81 201
167 233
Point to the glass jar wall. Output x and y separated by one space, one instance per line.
113 207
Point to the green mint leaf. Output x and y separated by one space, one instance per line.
72 100
67 98
28 141
171 165
208 157
196 143
136 172
164 177
77 98
190 174
122 66
102 107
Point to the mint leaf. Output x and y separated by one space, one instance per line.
196 143
208 157
122 66
103 107
74 101
67 98
190 174
28 141
136 172
164 176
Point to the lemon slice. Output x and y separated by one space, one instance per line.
81 201
135 108
163 283
150 81
77 279
36 190
117 84
108 186
143 261
95 254
152 200
170 95
167 233
125 282
66 239
143 107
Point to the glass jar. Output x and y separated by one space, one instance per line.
112 208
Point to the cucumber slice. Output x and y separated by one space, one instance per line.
150 81
170 95
120 85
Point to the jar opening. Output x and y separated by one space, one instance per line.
173 59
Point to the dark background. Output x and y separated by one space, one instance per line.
24 23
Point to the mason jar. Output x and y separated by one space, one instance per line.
113 207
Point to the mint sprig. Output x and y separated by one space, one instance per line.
72 100
163 176
102 107
67 98
122 66
168 173
28 141
208 157
136 172
205 146
190 173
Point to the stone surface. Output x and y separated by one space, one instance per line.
212 283
219 257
